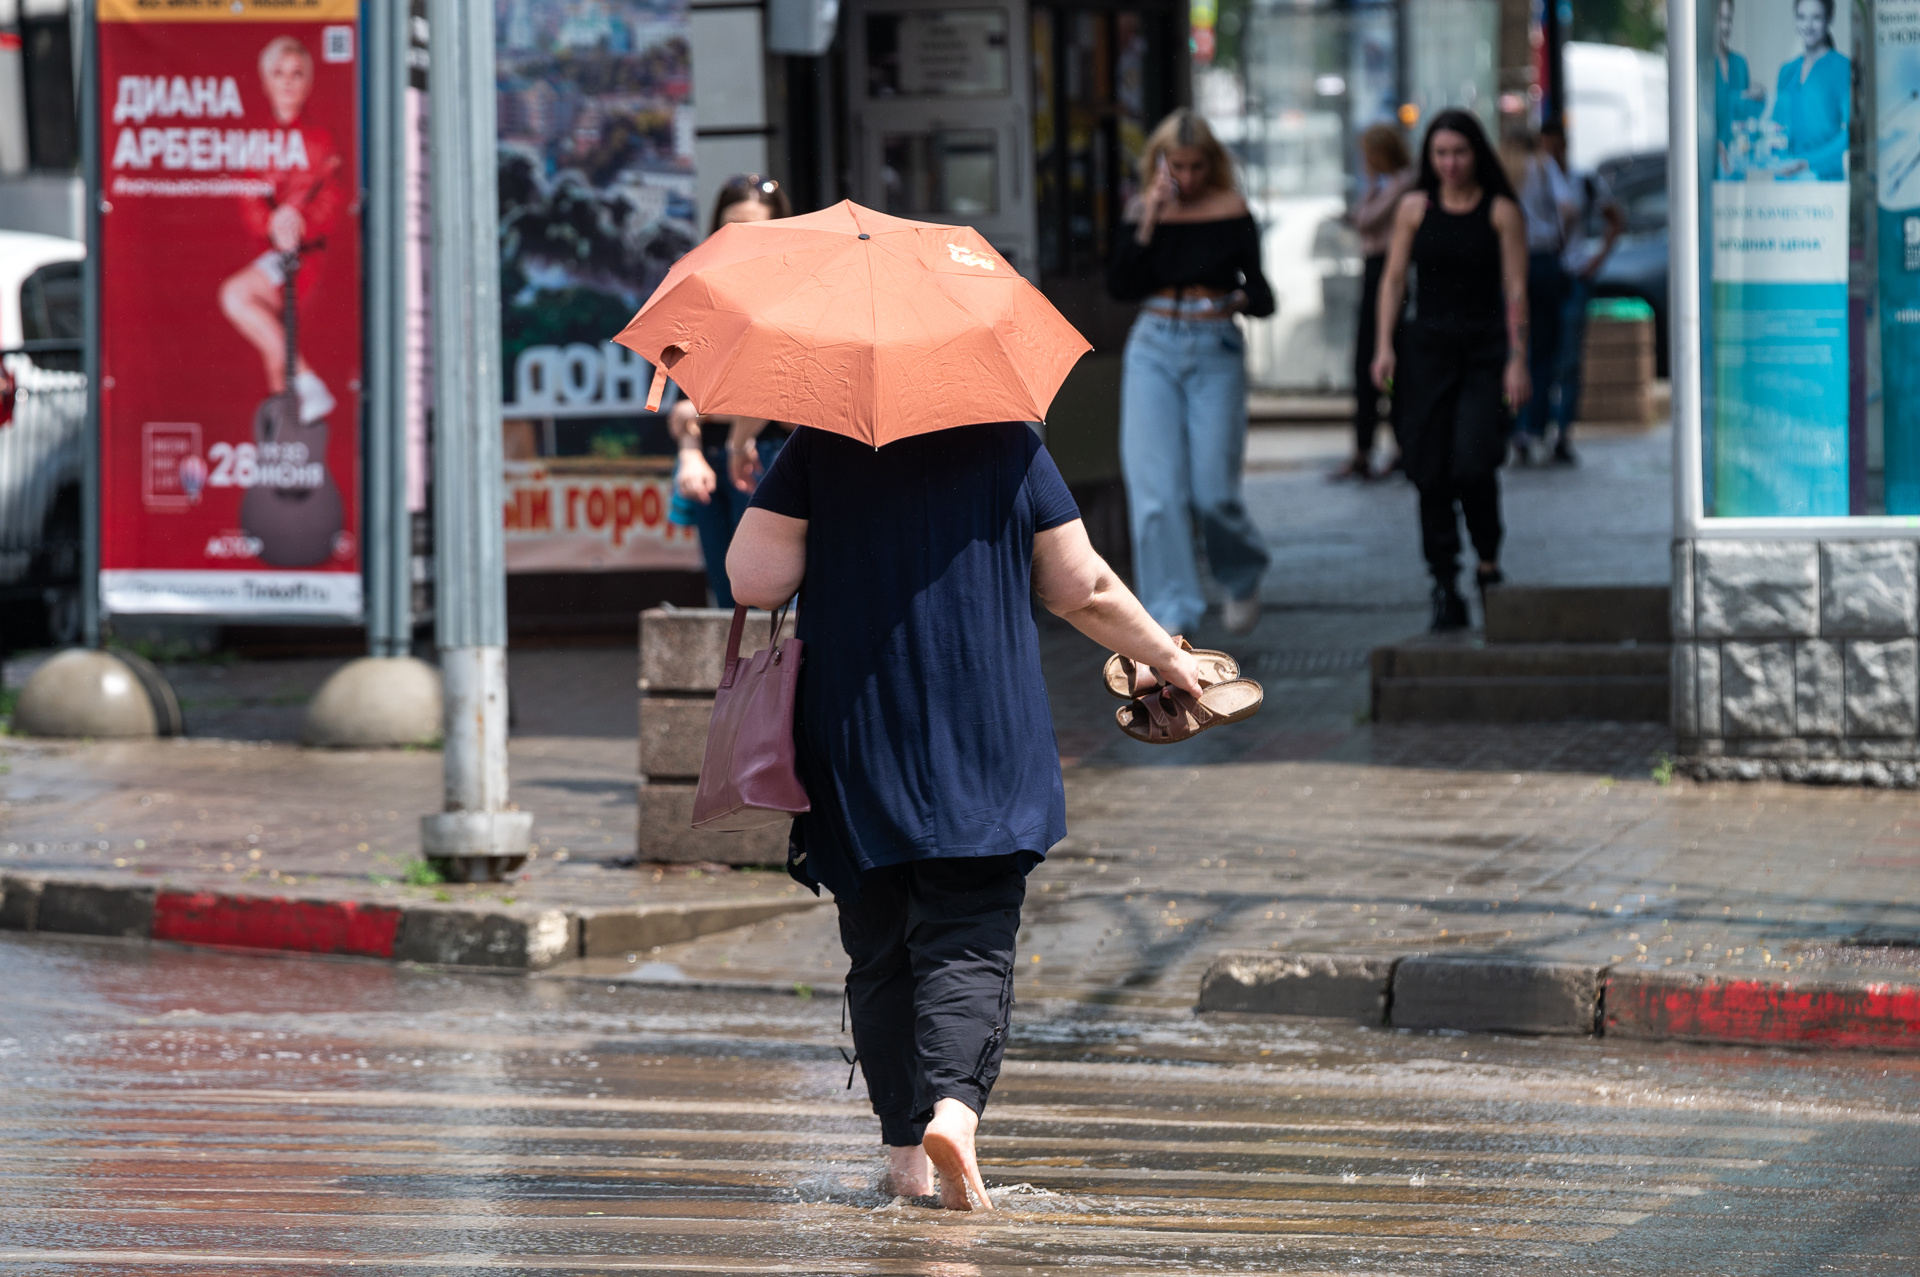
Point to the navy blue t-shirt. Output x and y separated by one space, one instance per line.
923 729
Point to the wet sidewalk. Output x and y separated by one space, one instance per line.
1307 829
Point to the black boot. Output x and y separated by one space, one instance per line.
1449 609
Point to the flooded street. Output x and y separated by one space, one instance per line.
176 1112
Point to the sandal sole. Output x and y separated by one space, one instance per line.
1249 695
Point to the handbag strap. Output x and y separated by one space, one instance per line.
779 623
733 644
738 630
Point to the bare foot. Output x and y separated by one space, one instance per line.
909 1173
949 1142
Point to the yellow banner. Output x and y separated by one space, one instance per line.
229 10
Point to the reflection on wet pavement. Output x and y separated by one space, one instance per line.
175 1111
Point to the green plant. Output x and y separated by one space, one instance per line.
802 990
1662 770
422 873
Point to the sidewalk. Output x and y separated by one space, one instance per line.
1307 830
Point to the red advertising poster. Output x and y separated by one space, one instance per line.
230 307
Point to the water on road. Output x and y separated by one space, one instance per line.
173 1112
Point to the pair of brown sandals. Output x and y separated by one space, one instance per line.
1165 715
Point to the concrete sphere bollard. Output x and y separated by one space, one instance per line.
85 693
376 702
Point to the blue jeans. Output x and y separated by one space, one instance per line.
1573 336
716 520
1183 439
1546 294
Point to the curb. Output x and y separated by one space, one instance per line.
506 938
1488 993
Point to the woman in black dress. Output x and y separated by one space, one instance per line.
1462 361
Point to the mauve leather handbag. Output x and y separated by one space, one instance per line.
748 777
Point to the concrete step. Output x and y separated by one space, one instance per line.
1448 656
1577 614
1641 698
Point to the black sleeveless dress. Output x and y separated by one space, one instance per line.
1454 423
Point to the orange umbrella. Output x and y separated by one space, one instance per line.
856 322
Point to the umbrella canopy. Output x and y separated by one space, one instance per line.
856 322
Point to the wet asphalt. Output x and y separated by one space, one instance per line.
172 1111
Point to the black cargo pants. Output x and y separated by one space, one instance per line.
930 988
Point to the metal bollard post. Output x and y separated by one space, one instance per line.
477 835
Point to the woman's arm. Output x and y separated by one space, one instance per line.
1375 213
1077 586
693 477
1393 284
768 558
743 452
1511 226
1259 301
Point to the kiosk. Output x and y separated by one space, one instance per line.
1795 180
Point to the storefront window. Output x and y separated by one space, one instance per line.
1290 89
1810 258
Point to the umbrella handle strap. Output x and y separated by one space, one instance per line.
658 388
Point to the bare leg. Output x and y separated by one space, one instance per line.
252 304
949 1143
909 1173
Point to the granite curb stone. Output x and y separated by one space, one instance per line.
1496 993
521 937
1322 984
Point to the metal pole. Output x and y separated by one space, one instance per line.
389 530
1687 150
470 620
90 284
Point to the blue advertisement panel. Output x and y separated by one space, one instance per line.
1896 44
1779 261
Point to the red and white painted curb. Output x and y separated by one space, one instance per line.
521 937
1874 1015
1833 1009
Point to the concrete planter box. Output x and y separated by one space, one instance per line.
682 652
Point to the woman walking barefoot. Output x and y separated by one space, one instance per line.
925 742
1465 347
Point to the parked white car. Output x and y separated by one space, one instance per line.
42 428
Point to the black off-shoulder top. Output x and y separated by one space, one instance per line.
1222 255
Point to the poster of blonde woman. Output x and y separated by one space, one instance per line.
230 308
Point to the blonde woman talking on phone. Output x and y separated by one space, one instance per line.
1190 253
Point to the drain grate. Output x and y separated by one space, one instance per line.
1306 663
